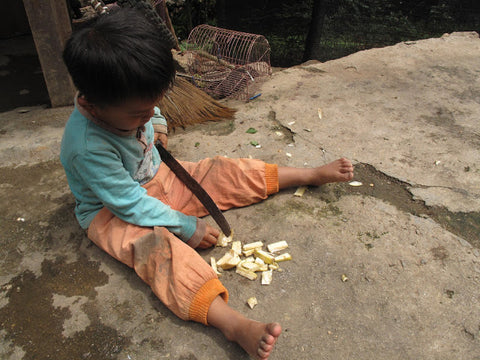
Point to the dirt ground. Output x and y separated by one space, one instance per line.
408 239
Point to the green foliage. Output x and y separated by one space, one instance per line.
187 14
349 25
286 50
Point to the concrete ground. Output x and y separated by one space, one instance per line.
408 239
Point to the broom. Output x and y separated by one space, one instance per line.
185 105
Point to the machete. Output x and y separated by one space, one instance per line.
195 188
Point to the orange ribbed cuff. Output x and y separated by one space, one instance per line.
203 299
271 178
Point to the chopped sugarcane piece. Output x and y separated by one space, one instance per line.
262 267
265 256
273 266
278 246
248 253
259 261
252 246
300 191
223 240
283 257
250 266
229 260
250 275
267 277
237 247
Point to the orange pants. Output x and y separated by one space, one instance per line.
177 274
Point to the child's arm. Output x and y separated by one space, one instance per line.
105 176
160 127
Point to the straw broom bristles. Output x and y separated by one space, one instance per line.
185 105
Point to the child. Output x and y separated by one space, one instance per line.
131 204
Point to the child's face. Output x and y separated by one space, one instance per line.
128 116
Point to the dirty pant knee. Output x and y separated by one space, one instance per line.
177 274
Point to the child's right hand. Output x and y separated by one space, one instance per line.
210 238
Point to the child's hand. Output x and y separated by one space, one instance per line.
210 238
163 138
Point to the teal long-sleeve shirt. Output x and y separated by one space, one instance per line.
105 169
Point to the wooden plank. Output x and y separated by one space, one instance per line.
162 10
50 25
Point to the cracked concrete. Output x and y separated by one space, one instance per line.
372 101
408 239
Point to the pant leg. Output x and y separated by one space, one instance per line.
177 274
230 182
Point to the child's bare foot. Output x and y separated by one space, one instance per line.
257 339
337 171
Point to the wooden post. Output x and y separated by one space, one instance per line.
50 25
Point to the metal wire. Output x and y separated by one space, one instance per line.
227 63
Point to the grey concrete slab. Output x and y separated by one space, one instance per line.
406 239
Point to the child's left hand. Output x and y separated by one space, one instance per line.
210 238
163 138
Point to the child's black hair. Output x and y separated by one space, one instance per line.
119 56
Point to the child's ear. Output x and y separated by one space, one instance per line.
83 102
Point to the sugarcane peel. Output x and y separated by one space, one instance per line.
213 263
252 301
355 183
